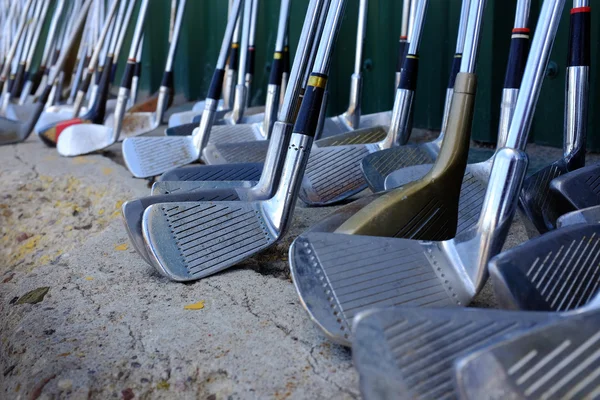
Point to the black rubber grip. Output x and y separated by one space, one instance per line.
138 69
234 56
97 112
19 80
128 75
276 69
99 75
10 83
36 78
216 84
402 47
167 79
286 59
250 60
408 79
455 69
517 58
579 37
182 130
308 116
45 94
113 72
85 84
55 57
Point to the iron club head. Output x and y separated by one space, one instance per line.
590 215
579 188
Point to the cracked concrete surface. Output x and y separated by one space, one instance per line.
109 326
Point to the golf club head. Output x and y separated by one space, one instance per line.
378 166
134 124
174 187
578 189
182 118
189 241
150 156
228 172
50 118
83 139
337 276
133 211
11 131
537 202
555 361
182 130
557 271
409 352
590 215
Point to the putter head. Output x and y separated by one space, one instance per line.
579 188
228 172
337 276
174 187
557 271
537 202
80 139
189 241
590 215
409 352
133 211
558 361
150 156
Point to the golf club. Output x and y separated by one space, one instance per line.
577 189
338 275
590 215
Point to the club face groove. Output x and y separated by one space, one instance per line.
174 187
557 271
558 361
228 172
414 349
227 153
333 174
189 241
151 156
337 276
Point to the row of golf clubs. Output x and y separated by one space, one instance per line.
370 254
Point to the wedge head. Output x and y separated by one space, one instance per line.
337 276
580 188
133 210
536 200
11 131
150 156
556 361
77 140
557 271
227 172
590 215
190 241
408 353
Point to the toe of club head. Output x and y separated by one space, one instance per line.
590 215
83 139
151 156
133 212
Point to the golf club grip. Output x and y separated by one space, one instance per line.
276 69
113 72
45 94
96 114
128 74
579 37
286 60
216 84
36 78
408 79
251 60
455 69
85 84
402 46
310 109
138 69
99 74
517 58
18 82
234 56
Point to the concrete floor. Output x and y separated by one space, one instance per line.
84 317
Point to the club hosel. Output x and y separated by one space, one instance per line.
284 81
162 103
399 131
322 116
280 207
269 180
353 113
229 89
271 109
202 133
119 114
133 94
27 87
507 109
239 103
447 104
475 247
93 94
576 113
78 102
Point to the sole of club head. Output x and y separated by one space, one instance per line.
190 241
81 139
151 156
133 210
519 368
590 215
412 350
337 276
557 271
